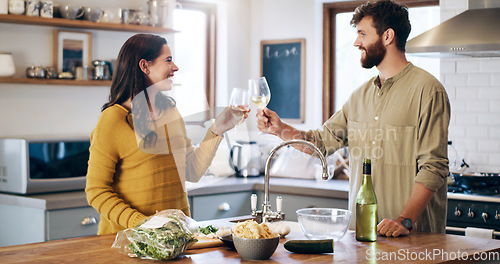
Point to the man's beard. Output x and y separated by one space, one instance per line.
374 54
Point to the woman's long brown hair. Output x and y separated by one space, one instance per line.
128 78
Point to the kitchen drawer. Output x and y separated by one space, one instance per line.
68 223
292 202
205 207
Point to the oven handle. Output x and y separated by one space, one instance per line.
462 230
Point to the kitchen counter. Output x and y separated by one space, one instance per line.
214 185
209 185
417 247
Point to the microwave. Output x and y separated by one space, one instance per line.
29 166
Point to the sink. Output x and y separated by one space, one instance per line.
244 218
256 218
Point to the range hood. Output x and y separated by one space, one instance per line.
473 33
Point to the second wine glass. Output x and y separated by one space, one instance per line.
259 92
239 102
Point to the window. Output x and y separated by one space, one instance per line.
342 70
194 54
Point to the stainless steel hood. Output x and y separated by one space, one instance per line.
473 33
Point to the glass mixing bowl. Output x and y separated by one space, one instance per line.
324 223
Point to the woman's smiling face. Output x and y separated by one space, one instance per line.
163 67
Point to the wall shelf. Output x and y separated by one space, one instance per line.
83 24
55 81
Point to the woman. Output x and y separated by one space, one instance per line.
138 162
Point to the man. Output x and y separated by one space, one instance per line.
399 119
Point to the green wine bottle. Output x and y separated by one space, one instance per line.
366 207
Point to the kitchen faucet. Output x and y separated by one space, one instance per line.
266 214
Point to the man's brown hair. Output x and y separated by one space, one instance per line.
386 14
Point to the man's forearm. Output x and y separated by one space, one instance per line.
419 198
288 133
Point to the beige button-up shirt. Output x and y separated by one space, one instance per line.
402 126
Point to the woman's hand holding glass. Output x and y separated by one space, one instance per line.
239 104
235 114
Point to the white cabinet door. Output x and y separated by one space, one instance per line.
73 222
293 202
206 207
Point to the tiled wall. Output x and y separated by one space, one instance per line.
473 86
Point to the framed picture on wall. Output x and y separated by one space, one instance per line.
283 65
72 49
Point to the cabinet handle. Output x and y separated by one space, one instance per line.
224 207
89 220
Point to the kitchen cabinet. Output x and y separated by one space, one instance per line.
215 206
44 217
21 224
72 24
293 202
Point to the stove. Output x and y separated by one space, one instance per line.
473 208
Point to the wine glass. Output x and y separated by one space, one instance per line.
259 92
239 103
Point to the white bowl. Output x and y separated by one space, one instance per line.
324 223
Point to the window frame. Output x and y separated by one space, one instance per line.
211 11
330 10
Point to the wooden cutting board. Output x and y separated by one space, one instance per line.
207 243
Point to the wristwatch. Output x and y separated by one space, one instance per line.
407 223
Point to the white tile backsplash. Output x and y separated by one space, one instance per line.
495 107
456 131
478 79
489 93
487 146
490 119
477 132
448 66
493 158
468 66
473 86
495 78
478 106
466 119
465 93
457 106
495 133
455 79
489 65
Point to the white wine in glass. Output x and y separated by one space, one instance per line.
259 92
260 101
239 103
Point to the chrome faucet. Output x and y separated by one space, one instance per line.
266 214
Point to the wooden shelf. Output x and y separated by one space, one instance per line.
85 24
55 81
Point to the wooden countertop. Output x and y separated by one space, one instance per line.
417 247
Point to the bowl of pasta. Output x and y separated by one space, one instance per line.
254 241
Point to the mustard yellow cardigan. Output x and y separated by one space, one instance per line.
125 184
